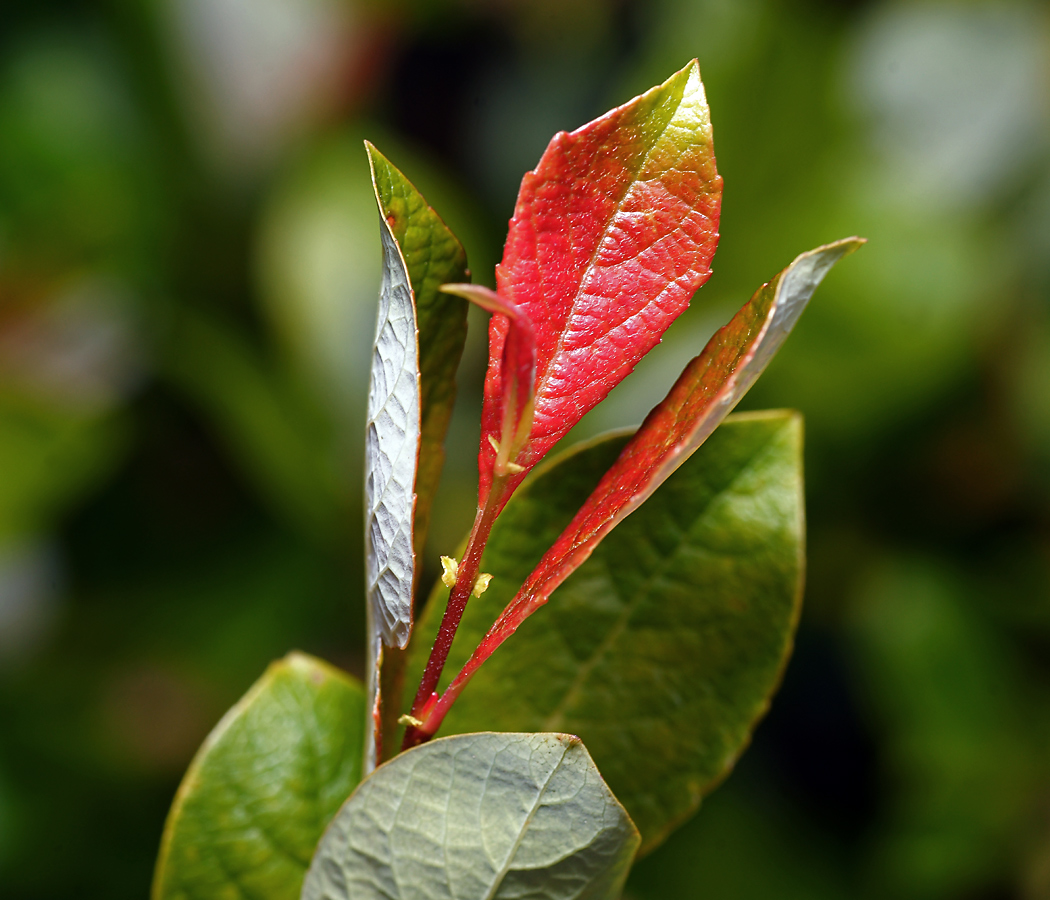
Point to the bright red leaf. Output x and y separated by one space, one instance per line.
613 232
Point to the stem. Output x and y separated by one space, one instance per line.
392 687
457 604
517 611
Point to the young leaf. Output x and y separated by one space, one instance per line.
478 817
711 385
261 789
661 651
433 256
419 340
612 233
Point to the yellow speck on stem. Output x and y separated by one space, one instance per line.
494 443
481 584
451 571
406 719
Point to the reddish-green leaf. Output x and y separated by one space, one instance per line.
711 385
612 233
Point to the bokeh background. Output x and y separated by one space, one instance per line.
189 262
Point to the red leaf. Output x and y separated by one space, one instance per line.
711 385
613 232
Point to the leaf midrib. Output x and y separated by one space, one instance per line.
498 879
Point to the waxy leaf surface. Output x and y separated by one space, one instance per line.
420 334
264 785
433 256
661 651
478 817
711 385
391 454
612 233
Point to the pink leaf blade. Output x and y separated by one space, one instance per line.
612 234
704 394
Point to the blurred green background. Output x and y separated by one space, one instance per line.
189 261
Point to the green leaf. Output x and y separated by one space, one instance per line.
433 256
484 816
410 403
661 651
264 785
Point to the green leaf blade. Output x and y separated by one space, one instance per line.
264 785
479 817
661 651
433 256
419 342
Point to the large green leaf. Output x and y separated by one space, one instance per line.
485 816
661 651
264 785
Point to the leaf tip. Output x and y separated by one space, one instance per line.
687 78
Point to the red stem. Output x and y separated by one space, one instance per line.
457 604
517 611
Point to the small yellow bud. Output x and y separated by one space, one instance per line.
514 468
481 584
494 443
406 719
451 573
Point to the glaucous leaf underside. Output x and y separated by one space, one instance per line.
478 817
420 334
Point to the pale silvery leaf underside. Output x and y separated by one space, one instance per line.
478 817
391 460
